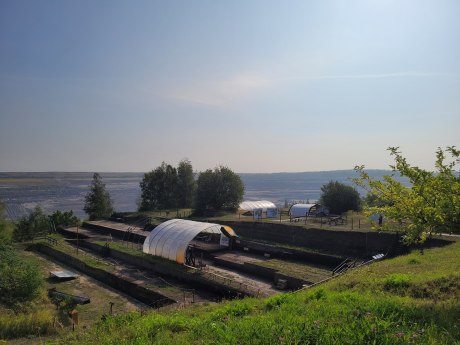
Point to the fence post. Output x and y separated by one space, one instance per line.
359 223
351 223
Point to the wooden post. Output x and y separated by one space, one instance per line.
321 221
77 240
351 223
359 223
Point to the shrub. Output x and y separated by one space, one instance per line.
20 279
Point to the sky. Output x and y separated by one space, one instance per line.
258 86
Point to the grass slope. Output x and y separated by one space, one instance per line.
409 299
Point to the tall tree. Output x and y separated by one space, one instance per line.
186 184
98 203
339 197
219 189
430 205
159 188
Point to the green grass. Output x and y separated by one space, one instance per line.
14 325
412 299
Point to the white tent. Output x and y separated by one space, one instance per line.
259 208
303 210
171 238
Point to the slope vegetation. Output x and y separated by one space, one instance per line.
410 299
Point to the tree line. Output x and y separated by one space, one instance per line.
168 187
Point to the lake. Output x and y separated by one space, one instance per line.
64 191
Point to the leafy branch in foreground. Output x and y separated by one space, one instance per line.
430 205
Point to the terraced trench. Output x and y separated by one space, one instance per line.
252 268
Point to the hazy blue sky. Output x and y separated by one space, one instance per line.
259 86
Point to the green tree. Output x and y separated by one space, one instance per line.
6 226
159 189
65 219
186 184
431 204
30 226
339 197
219 189
98 203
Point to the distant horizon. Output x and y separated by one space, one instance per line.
143 172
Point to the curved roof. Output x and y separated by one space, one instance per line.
300 210
171 238
253 205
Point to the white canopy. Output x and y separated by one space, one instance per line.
171 238
257 205
302 210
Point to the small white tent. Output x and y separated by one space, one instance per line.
304 210
258 209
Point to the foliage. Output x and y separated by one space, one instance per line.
20 279
20 325
355 308
430 205
218 189
98 203
373 200
339 197
65 219
159 188
30 226
186 184
6 227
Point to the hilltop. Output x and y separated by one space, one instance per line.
408 299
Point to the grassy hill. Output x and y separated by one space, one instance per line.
412 299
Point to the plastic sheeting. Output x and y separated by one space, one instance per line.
171 238
257 205
302 210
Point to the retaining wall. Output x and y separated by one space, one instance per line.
141 293
341 243
288 253
179 273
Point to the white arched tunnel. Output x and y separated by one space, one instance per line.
171 238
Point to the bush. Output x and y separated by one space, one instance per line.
339 197
29 226
20 279
65 219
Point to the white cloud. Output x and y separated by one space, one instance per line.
220 93
367 76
